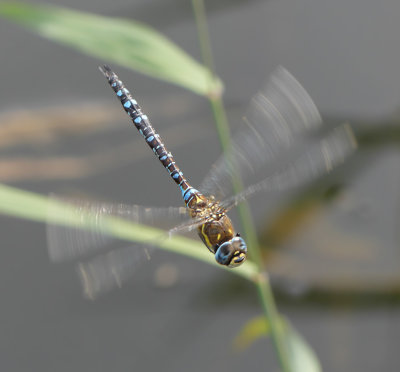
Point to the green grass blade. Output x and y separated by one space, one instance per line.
128 43
23 204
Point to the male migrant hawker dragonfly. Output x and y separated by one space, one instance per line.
277 145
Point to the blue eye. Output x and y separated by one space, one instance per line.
223 253
231 253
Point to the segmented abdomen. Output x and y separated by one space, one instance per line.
145 128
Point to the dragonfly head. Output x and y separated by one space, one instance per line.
231 253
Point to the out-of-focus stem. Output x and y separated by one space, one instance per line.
261 282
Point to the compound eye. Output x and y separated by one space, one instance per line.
231 253
224 253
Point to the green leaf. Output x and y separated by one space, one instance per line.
36 207
253 330
128 43
300 355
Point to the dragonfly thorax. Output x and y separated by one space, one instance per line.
207 208
215 229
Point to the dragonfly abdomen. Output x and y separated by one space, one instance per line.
143 125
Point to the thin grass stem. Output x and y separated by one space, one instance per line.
262 283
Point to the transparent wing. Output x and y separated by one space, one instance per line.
78 229
188 226
107 271
277 118
319 158
90 233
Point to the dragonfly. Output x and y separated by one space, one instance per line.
277 145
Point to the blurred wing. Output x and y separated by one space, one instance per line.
107 271
276 119
89 233
320 158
